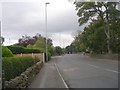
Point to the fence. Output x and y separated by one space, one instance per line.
38 55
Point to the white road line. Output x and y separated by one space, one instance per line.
66 86
104 68
93 65
112 71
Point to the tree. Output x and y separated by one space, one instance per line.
58 50
95 38
40 43
106 11
68 49
28 40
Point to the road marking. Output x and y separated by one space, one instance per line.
104 68
93 65
66 86
112 71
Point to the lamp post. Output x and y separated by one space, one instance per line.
46 28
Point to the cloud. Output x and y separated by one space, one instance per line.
26 18
62 39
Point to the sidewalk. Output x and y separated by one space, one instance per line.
48 77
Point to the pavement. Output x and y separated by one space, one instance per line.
48 77
77 71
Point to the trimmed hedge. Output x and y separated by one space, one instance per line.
14 66
6 52
25 78
20 49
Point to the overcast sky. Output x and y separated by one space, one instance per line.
28 18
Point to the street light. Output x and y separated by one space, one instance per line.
46 27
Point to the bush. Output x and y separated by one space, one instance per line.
49 56
14 66
20 49
6 52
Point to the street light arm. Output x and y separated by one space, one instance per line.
47 3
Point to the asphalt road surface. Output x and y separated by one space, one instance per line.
77 71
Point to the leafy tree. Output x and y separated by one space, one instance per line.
106 11
68 49
28 40
95 38
40 43
58 50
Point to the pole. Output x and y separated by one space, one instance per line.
46 29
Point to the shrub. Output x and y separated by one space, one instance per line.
14 66
49 56
6 52
20 49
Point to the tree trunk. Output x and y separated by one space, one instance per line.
108 46
107 32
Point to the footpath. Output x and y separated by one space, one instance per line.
48 77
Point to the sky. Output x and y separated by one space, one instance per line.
28 18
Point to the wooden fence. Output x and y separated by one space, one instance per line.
38 55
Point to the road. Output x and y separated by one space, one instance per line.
77 71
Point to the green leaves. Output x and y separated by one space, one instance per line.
14 66
87 10
92 38
6 52
107 17
58 50
20 49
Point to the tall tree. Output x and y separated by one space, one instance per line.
106 11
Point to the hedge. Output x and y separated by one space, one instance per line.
20 49
14 66
25 78
6 52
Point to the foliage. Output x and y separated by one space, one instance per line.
6 52
27 40
33 44
20 49
68 49
30 41
58 50
14 66
41 45
105 12
93 39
